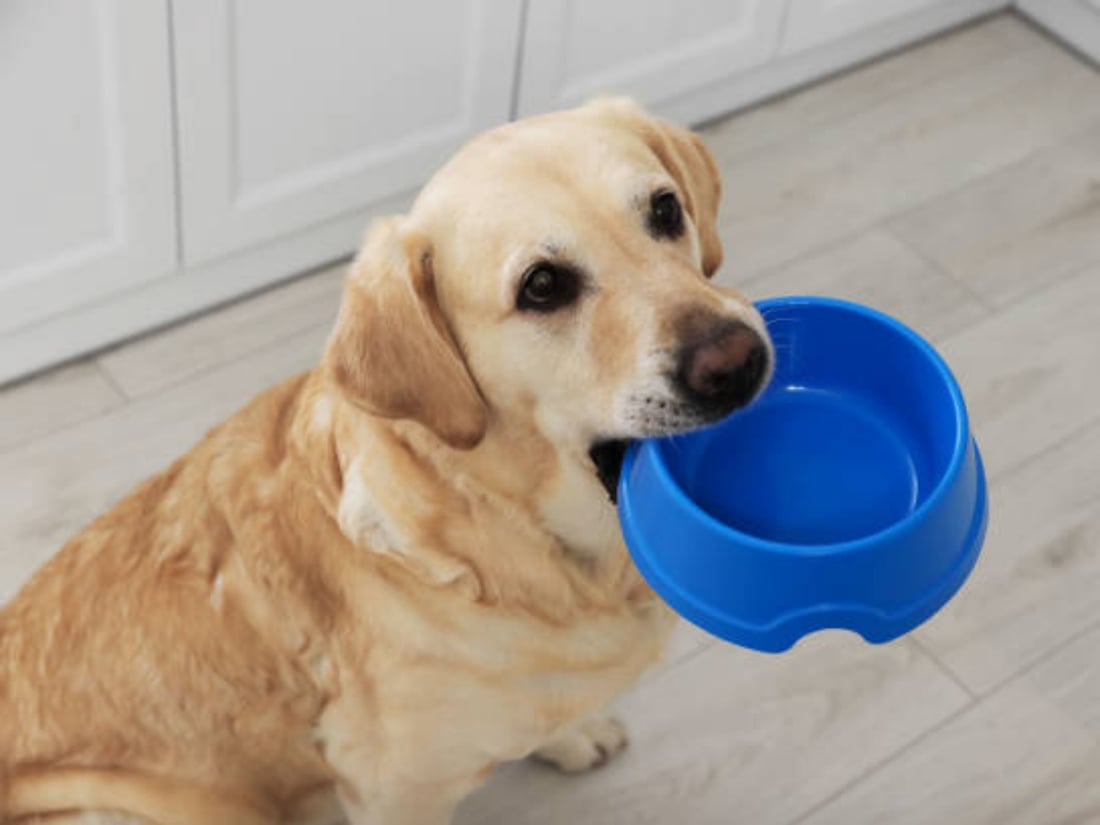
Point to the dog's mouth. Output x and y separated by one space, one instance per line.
607 456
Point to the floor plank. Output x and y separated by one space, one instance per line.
1015 759
1026 372
1036 584
791 197
733 736
877 269
871 85
1071 679
687 641
51 402
168 357
1020 229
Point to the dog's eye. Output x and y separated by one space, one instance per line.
666 218
546 287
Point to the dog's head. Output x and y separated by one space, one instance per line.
557 268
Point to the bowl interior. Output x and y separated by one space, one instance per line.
856 430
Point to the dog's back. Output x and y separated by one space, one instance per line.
140 634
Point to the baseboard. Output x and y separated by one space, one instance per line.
126 315
787 73
1071 21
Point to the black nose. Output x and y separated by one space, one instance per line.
724 370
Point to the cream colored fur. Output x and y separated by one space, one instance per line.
383 578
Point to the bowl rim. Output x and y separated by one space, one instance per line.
959 448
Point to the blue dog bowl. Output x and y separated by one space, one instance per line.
850 495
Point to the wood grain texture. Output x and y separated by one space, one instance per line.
1026 373
687 641
877 269
735 736
1071 679
63 397
788 198
1037 582
1012 760
1020 229
800 112
165 358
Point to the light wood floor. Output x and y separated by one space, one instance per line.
956 185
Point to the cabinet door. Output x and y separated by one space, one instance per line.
815 22
294 113
1075 21
653 50
86 205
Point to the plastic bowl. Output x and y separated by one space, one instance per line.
850 495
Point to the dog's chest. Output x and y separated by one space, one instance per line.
499 637
578 512
507 686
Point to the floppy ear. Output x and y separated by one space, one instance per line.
391 351
688 161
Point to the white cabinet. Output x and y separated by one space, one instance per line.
161 156
86 205
651 49
293 113
1077 21
813 23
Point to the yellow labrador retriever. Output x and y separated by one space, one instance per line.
383 578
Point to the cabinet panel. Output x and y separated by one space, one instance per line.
291 114
87 205
815 22
651 50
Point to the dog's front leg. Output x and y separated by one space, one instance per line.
407 804
584 745
395 779
373 794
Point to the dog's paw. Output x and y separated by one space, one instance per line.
585 745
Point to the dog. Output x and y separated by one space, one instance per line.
383 578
